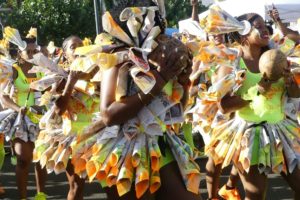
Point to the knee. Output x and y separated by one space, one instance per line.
255 193
23 162
76 186
212 168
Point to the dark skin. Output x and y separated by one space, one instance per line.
194 4
292 35
23 150
119 111
113 112
26 66
255 183
65 88
252 49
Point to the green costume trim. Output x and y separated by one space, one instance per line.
263 107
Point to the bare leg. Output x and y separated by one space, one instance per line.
172 185
233 178
254 184
293 180
40 177
23 151
213 173
76 184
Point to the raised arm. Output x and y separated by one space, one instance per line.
292 35
62 102
194 4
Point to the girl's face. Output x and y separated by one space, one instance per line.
259 34
217 39
30 50
69 50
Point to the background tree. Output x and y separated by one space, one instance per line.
54 19
58 19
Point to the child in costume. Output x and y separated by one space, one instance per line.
19 119
202 82
260 138
69 113
139 152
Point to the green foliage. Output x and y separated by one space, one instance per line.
55 19
178 10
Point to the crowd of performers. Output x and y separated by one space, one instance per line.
123 109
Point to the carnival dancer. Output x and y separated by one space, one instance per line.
139 152
72 109
213 172
21 113
260 138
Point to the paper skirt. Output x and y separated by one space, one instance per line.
14 125
272 147
117 160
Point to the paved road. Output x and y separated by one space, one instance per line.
57 185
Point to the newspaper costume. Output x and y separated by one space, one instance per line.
129 153
14 124
53 146
264 133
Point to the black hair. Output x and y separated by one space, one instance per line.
250 17
120 5
31 40
269 24
65 42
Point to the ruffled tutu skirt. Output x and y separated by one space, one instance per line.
14 125
272 147
116 159
113 158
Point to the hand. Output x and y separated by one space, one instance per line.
274 14
194 2
94 127
78 75
264 85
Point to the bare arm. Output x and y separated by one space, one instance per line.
229 103
62 102
195 16
292 35
117 112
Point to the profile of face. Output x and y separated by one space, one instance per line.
217 39
260 34
30 50
69 48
